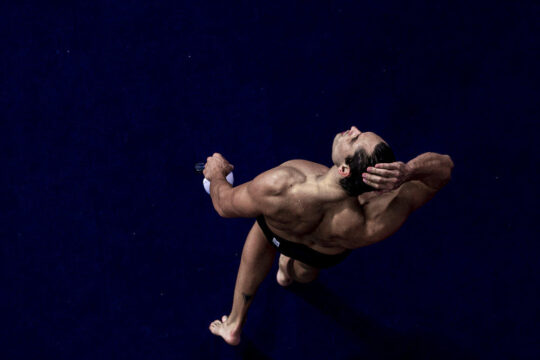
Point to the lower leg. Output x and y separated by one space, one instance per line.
257 259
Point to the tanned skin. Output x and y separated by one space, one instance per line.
303 202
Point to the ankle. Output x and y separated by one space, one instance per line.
233 323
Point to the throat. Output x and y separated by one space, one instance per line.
328 187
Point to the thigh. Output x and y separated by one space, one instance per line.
257 245
304 272
305 267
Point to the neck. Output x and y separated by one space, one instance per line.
328 184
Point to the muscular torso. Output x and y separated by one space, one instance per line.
302 213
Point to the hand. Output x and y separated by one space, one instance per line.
387 176
216 165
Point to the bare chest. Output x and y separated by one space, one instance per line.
323 227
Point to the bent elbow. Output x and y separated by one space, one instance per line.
450 162
221 212
225 213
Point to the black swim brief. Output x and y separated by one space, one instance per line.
300 252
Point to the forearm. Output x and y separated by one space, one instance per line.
219 187
432 169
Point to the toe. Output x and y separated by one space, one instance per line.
224 318
215 323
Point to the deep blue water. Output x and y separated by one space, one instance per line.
112 250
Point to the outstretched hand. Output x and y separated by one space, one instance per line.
387 176
217 165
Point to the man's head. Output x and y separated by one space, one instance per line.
353 152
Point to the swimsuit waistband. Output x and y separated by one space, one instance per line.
300 252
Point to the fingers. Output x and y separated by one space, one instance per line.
381 188
379 182
396 165
384 176
216 164
378 178
216 156
375 185
383 172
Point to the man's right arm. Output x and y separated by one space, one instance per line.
252 198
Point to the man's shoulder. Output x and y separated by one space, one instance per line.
305 166
276 181
279 180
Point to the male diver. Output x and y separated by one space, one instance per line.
315 215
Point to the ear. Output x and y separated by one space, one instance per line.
344 170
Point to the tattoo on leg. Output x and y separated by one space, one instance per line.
247 297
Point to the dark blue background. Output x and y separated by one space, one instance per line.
111 249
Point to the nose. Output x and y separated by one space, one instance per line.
354 130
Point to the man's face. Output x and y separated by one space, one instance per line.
348 142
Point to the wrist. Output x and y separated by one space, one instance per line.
215 176
410 171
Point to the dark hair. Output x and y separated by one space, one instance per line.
359 162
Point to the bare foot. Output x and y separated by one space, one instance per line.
283 277
228 332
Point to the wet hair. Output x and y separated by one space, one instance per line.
359 162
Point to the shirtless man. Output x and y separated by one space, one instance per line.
315 215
